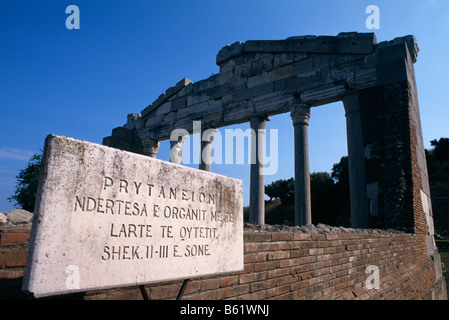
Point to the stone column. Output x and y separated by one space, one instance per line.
150 146
207 137
303 208
257 187
356 163
175 149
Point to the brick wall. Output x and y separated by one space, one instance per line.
278 265
13 252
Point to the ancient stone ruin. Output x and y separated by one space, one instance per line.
388 253
389 186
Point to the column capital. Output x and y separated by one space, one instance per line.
300 114
150 146
207 134
258 122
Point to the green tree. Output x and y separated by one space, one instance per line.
438 160
322 189
272 190
282 189
340 172
25 193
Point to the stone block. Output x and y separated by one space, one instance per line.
282 59
282 72
303 67
266 104
240 95
163 109
223 78
279 85
392 72
342 71
19 216
261 89
298 44
219 91
356 43
259 79
244 71
323 44
263 64
238 112
254 46
155 121
409 40
174 90
196 98
324 94
178 103
107 218
123 134
201 85
161 133
363 79
212 119
302 83
227 66
3 219
229 51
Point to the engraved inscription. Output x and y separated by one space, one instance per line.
125 219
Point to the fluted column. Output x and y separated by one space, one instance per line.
257 187
303 210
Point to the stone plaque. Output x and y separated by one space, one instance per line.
108 218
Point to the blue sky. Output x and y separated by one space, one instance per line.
83 83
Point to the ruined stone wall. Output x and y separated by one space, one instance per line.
376 82
281 263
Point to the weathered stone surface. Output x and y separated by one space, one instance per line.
228 52
108 218
19 216
170 92
3 219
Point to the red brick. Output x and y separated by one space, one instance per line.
282 236
255 257
252 277
276 255
262 285
14 236
278 291
278 273
229 281
13 258
302 236
210 284
165 291
316 251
